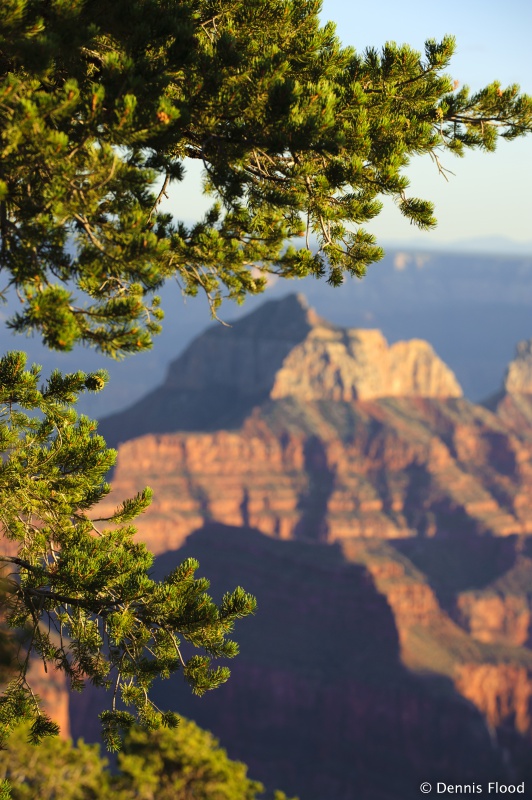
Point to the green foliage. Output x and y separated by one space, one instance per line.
81 592
5 791
177 764
52 770
100 107
8 649
166 764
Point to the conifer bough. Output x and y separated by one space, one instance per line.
80 591
297 135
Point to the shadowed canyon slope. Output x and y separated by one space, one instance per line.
382 520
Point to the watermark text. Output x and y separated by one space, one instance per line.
493 787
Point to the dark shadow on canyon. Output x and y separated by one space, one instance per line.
319 702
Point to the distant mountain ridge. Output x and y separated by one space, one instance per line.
284 349
476 245
472 309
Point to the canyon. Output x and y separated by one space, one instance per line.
384 523
297 428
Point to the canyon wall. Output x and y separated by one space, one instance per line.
389 468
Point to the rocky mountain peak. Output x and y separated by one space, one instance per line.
518 378
285 349
356 364
246 355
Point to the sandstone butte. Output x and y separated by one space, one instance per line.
384 522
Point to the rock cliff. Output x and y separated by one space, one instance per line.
282 350
353 680
518 378
342 365
384 469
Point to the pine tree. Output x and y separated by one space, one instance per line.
53 770
100 103
82 591
181 763
297 134
177 764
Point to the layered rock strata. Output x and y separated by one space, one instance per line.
388 501
353 680
383 469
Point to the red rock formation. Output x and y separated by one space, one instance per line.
281 350
356 443
334 456
502 692
343 365
518 379
352 680
496 618
385 469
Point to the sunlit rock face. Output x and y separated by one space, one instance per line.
518 378
244 356
326 471
302 429
342 365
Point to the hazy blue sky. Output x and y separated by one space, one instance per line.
490 195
